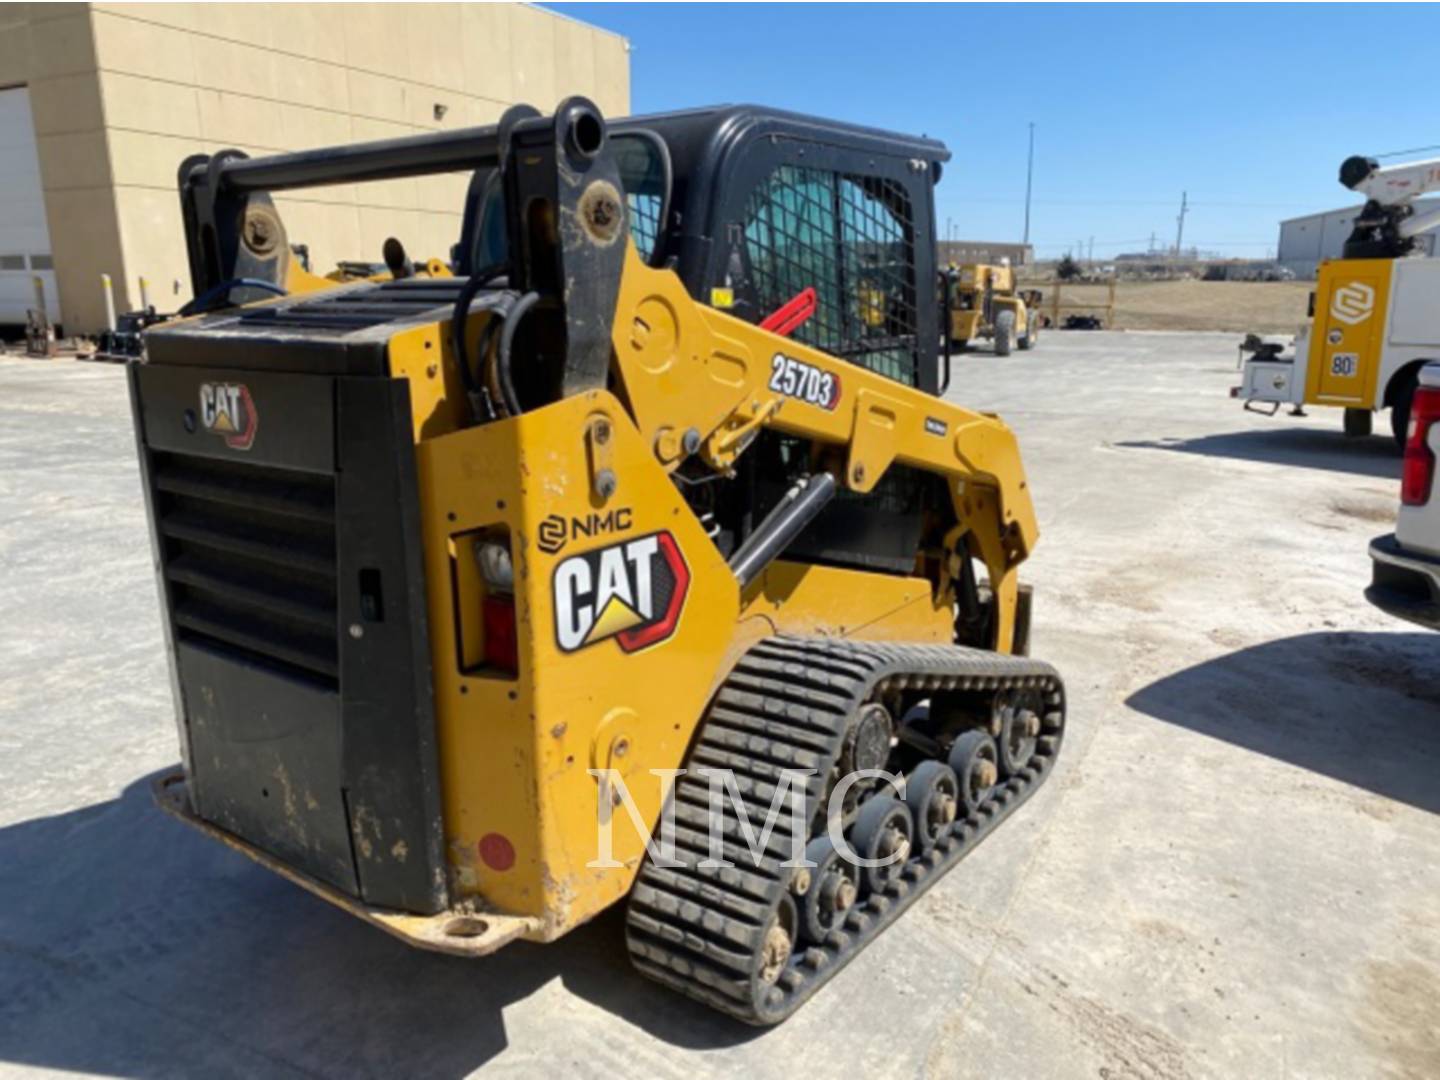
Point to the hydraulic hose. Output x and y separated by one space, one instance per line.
468 292
202 302
502 361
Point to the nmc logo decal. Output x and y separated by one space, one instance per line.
1352 304
632 591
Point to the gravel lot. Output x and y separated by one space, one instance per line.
1234 871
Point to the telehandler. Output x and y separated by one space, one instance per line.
984 302
498 599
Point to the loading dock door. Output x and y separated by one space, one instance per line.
24 236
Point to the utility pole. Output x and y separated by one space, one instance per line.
1180 222
1090 253
1029 180
1151 248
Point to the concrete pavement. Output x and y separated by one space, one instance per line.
1234 871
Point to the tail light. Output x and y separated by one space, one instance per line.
498 607
483 583
502 649
1419 458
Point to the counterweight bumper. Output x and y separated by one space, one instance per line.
466 931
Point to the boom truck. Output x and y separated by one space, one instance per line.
461 575
1374 318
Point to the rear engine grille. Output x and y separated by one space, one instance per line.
249 556
361 307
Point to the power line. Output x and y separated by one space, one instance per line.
1413 150
1059 202
1245 205
1125 202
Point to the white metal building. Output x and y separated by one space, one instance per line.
24 237
985 251
1307 241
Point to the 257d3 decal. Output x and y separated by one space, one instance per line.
632 591
797 379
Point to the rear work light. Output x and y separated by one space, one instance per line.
1419 458
495 566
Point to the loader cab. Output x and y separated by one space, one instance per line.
752 206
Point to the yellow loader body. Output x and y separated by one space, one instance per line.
471 581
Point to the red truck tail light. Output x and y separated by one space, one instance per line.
1419 470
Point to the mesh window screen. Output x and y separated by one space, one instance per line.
644 221
643 178
851 238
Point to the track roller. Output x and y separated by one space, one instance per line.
1019 714
832 886
975 760
883 834
932 792
779 942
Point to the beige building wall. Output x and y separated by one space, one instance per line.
121 93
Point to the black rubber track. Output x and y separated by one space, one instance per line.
700 930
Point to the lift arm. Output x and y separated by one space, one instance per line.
1388 224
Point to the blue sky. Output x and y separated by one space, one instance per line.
1248 108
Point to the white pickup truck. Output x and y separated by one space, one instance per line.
1406 575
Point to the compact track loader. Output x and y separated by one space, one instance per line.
498 599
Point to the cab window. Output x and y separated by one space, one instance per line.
850 238
642 174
